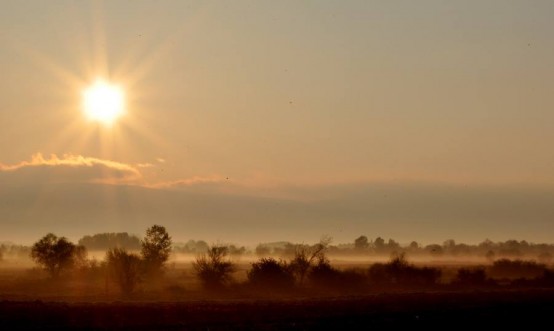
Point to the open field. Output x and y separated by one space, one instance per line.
30 300
523 308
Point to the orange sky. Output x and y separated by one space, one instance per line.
287 100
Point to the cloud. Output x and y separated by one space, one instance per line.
207 182
69 168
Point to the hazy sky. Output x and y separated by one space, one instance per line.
305 101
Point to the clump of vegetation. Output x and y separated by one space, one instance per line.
401 273
268 271
471 277
105 241
516 269
155 249
305 258
324 275
124 268
56 254
213 268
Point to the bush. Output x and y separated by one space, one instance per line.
323 274
305 257
124 268
399 272
516 269
268 271
471 277
213 269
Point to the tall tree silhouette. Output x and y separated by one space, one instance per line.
155 248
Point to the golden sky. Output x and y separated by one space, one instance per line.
304 101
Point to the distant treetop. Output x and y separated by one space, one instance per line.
105 241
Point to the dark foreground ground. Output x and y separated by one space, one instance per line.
445 310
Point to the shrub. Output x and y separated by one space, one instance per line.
471 277
305 257
124 268
268 271
515 269
213 269
399 272
323 274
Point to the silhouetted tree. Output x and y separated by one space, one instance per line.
156 247
213 268
379 244
393 245
55 253
361 243
414 246
124 268
434 249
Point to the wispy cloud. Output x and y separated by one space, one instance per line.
96 170
79 168
193 181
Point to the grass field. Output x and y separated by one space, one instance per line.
523 308
30 300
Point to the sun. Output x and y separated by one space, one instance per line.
103 102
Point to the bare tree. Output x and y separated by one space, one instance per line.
305 257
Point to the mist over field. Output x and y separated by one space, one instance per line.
429 212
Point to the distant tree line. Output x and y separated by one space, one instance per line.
360 246
14 251
301 266
105 241
201 247
487 249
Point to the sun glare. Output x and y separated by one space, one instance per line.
103 102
